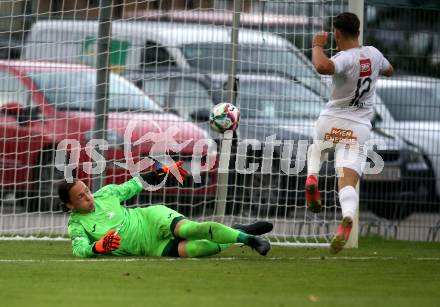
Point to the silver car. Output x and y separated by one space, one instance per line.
413 104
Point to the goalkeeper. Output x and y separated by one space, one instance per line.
98 224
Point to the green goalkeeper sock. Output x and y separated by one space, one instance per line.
203 248
211 231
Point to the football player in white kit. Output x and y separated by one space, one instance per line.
345 123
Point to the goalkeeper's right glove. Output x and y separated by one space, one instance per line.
109 242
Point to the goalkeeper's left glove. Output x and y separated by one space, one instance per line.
160 170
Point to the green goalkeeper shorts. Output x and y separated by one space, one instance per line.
160 221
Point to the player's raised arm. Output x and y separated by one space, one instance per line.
122 191
134 186
385 68
320 60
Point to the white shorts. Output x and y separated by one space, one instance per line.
347 138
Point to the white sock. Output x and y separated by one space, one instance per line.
349 200
313 160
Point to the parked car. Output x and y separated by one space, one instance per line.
151 45
413 108
274 105
177 92
278 22
44 103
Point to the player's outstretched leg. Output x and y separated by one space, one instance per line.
219 233
200 248
256 229
262 246
313 197
342 235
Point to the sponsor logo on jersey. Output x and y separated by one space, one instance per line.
365 67
340 136
110 214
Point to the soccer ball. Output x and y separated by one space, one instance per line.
224 116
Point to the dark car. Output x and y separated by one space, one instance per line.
272 105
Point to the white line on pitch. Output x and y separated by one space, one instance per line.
211 259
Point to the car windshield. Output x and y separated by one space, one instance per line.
277 99
180 95
412 103
262 59
75 91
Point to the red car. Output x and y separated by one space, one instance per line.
42 104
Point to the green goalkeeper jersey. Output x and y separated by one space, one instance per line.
85 229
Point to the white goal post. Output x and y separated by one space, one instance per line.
169 62
356 7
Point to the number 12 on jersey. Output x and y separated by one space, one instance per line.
364 81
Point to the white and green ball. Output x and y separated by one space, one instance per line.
224 116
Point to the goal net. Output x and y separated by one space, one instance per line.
79 93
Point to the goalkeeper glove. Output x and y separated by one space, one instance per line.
109 242
160 169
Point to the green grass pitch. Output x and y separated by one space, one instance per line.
379 273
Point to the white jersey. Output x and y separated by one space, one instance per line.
354 83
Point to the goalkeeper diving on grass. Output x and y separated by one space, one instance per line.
99 224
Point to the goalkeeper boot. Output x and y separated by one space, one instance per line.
313 197
262 246
256 229
341 235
